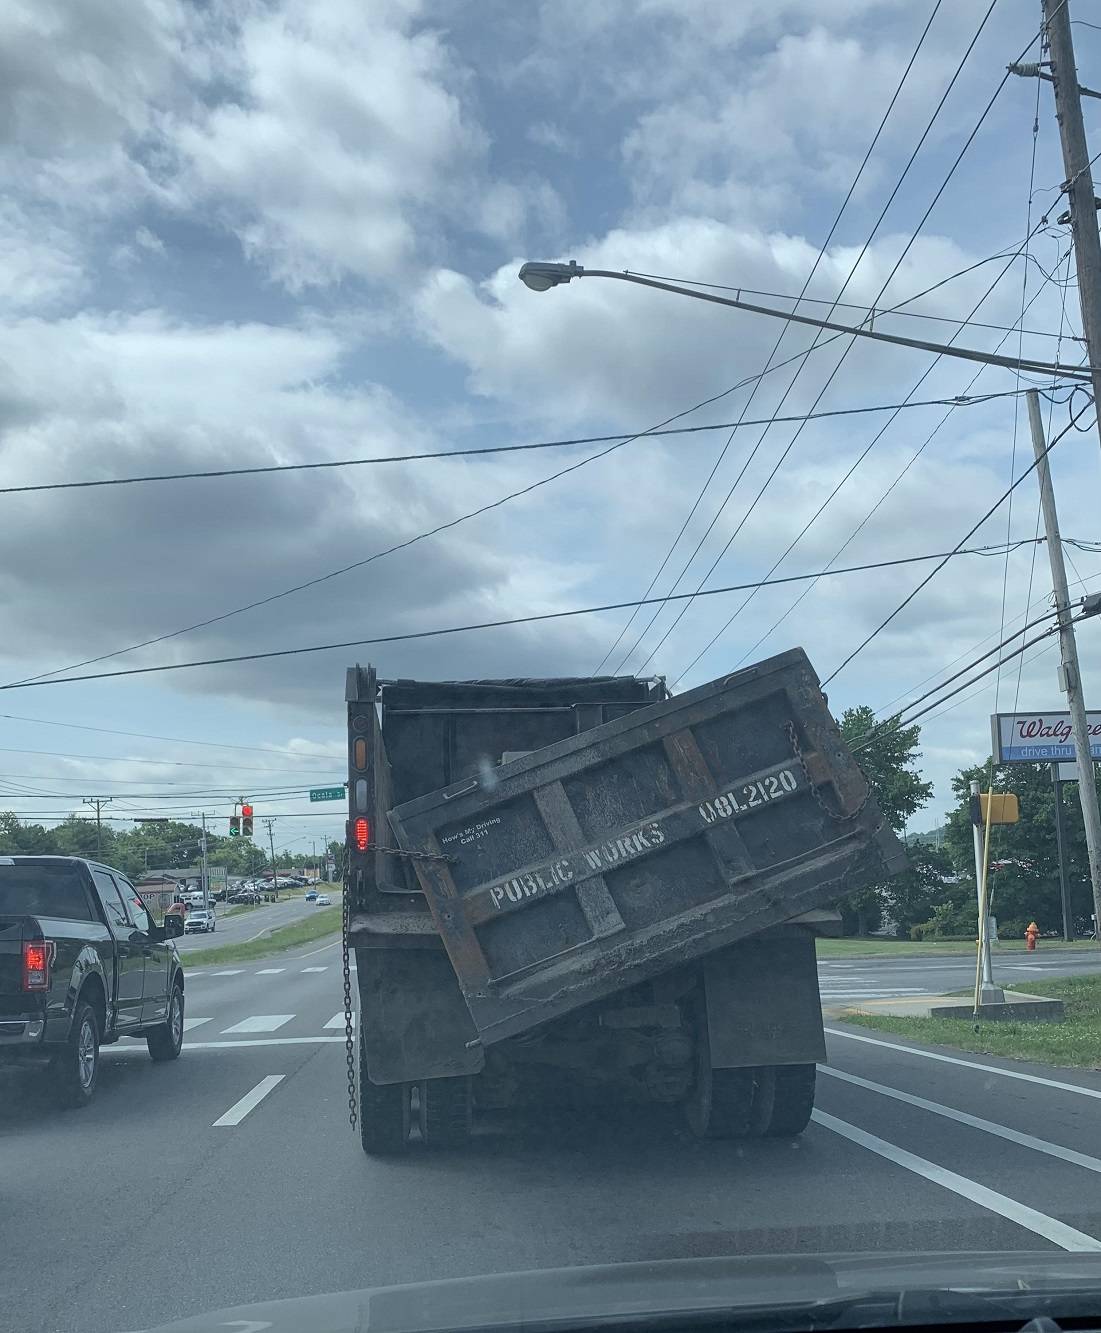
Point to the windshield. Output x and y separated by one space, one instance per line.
550 661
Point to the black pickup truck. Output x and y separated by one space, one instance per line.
82 963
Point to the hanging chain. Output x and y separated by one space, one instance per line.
793 737
409 856
349 1038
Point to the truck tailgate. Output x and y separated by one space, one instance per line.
613 856
12 998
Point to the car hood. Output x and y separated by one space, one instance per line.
561 1298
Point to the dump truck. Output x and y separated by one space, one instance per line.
586 892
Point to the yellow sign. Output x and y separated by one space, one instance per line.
1004 807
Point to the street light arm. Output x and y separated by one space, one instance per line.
1083 373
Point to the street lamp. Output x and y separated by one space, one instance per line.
541 277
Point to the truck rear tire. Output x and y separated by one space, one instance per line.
793 1100
166 1041
446 1111
383 1113
74 1070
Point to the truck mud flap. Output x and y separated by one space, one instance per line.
414 1020
763 1005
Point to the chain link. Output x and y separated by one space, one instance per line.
793 738
410 856
349 1037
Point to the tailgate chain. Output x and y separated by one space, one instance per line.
410 856
793 737
349 1038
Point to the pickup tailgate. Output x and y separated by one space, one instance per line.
12 998
611 857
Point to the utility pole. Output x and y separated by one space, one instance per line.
205 872
1079 182
1070 678
99 802
1060 845
271 843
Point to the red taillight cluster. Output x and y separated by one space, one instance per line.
361 834
37 957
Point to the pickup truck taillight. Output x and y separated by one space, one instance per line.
37 957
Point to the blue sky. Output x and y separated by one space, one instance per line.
239 233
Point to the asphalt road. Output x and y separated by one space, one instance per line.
240 926
882 978
232 1175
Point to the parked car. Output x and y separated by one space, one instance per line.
323 900
82 962
200 922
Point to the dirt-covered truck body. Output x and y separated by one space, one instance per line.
568 891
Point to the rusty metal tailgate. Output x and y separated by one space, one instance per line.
602 860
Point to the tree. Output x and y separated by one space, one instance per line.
887 755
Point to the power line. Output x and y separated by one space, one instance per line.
135 759
836 489
967 535
481 625
825 323
623 437
285 751
867 517
775 348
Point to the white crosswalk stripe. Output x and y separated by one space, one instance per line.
260 1023
190 1023
316 969
337 1021
231 972
270 971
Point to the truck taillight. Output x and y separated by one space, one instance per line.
37 957
361 834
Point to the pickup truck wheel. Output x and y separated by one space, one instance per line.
75 1069
383 1113
166 1041
794 1100
446 1111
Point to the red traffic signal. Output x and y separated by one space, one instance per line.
246 821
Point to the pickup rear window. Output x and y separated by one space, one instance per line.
28 890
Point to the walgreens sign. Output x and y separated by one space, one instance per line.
1032 738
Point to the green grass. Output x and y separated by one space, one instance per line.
1074 1042
855 948
325 921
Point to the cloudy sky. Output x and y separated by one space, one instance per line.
241 232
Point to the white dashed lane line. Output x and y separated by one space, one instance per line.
190 1023
250 1101
337 1021
260 1023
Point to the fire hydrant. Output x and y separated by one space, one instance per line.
1032 933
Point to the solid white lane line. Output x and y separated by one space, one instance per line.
190 1023
337 1021
270 971
260 1023
250 1101
969 1064
1040 1224
323 968
253 1041
314 952
975 1122
233 972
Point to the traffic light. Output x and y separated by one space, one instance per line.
235 826
246 821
